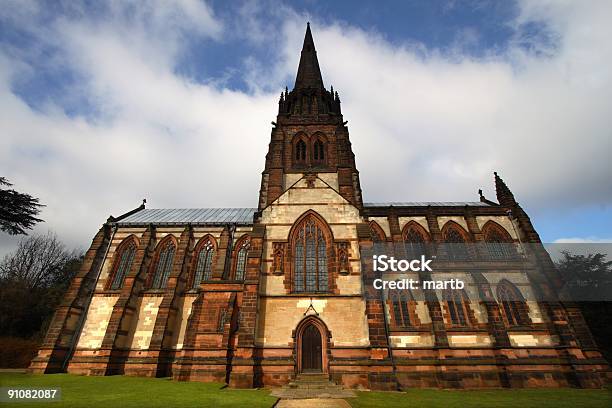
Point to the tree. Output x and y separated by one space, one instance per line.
588 280
18 211
586 277
33 280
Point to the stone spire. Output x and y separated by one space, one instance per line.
309 73
504 195
309 98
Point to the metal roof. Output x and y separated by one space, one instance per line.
195 216
426 203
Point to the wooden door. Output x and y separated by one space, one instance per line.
311 350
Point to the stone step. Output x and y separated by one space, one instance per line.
312 378
311 385
287 393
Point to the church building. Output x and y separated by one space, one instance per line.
258 296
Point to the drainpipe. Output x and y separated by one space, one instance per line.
81 322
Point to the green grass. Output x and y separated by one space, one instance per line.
119 392
523 398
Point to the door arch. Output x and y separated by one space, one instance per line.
311 343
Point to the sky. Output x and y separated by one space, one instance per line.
103 104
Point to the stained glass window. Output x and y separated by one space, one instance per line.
241 260
310 271
499 245
455 302
299 263
513 304
164 266
456 246
203 270
400 304
414 243
124 265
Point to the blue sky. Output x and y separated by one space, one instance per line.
100 102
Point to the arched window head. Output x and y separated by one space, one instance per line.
204 260
163 264
124 258
456 304
241 258
415 238
376 232
318 151
400 303
499 243
456 245
513 305
310 274
300 152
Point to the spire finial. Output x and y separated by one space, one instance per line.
504 195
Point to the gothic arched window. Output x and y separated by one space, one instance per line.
123 262
204 261
415 238
163 265
457 306
499 243
242 250
513 304
300 151
456 242
310 257
400 303
318 151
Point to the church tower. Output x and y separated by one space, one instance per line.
309 136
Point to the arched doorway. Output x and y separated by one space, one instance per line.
312 358
311 346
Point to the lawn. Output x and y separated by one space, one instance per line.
119 392
525 398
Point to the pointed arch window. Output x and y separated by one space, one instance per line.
414 241
310 258
456 245
457 307
499 244
513 304
163 266
123 263
300 152
400 304
241 259
319 151
204 261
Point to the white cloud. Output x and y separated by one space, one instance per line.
583 240
425 125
